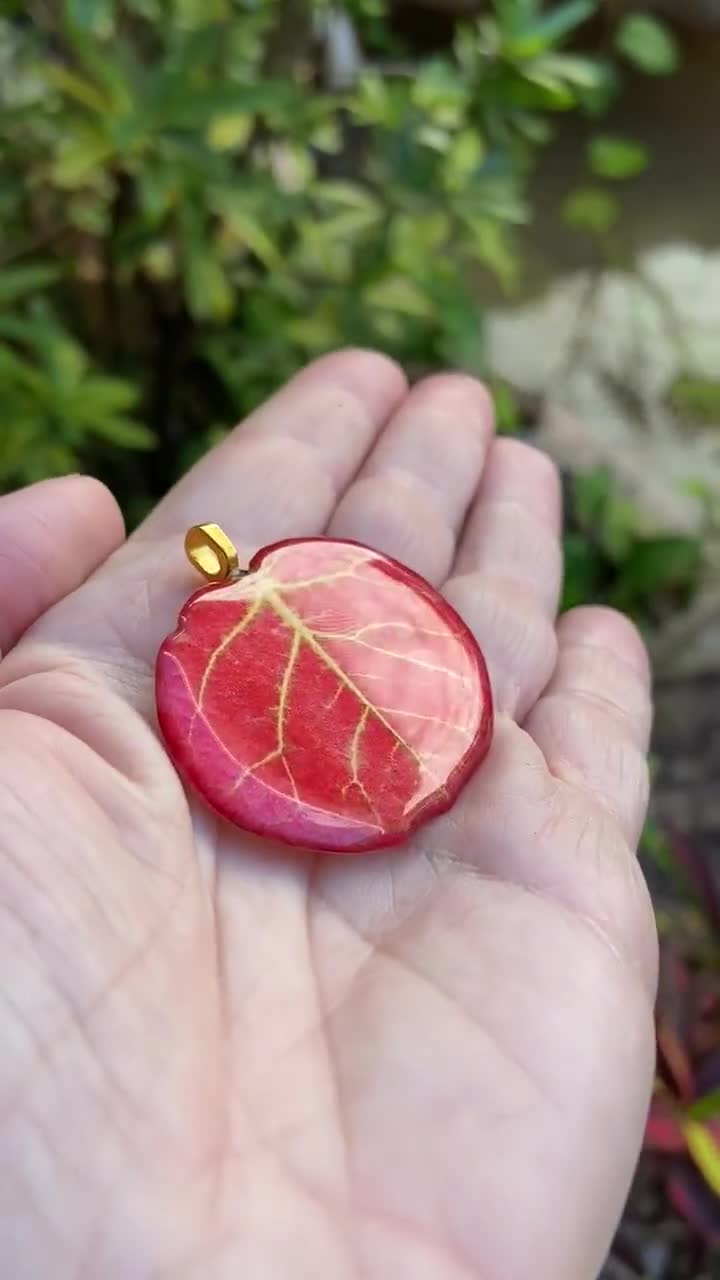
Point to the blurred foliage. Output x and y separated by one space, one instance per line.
591 209
616 158
198 197
609 558
683 1129
648 44
697 398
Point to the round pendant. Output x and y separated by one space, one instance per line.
327 697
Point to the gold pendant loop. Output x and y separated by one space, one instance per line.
211 552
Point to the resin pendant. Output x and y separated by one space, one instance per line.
326 697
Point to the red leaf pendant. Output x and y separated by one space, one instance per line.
328 697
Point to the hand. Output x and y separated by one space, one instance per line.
222 1059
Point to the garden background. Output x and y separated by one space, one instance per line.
197 196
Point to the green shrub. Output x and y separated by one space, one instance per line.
193 205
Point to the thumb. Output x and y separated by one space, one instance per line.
52 536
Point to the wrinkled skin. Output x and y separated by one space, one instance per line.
222 1059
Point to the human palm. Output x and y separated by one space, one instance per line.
220 1058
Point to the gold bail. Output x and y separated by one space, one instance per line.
211 552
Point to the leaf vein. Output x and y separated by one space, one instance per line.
296 623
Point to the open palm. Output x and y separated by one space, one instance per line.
219 1058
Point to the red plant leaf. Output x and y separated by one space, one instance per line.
329 698
674 1065
663 1131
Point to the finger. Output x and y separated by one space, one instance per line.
281 472
508 572
593 721
52 535
411 496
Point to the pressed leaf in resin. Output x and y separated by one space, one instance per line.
329 698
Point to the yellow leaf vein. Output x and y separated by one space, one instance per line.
278 751
418 715
296 624
355 763
390 653
225 643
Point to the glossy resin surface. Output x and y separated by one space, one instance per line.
329 698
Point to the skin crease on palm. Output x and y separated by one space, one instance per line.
222 1059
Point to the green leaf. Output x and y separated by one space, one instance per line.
706 1108
159 260
583 571
697 398
542 87
373 102
348 194
414 240
705 1152
620 528
158 191
507 410
397 293
434 137
656 844
95 16
76 87
181 108
79 156
106 69
648 44
498 198
583 73
591 209
245 226
440 92
19 370
491 244
659 564
616 158
516 14
105 397
317 330
535 128
209 293
463 158
230 131
123 432
591 494
17 282
548 29
328 138
345 226
66 363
